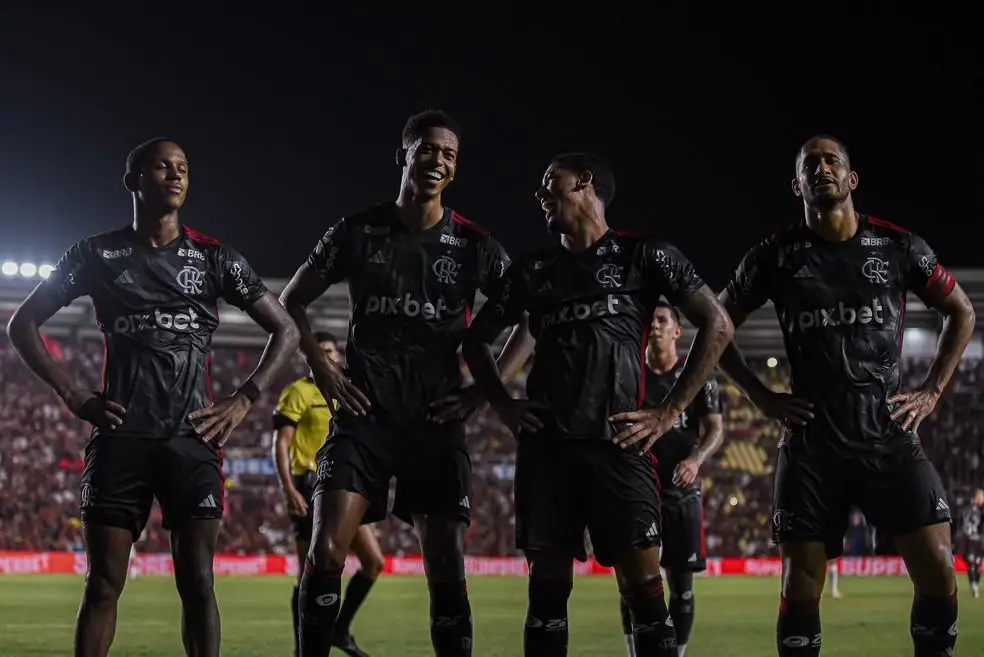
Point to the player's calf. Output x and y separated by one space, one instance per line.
933 620
442 546
641 586
551 582
804 569
681 605
193 551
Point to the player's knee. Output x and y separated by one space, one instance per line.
934 575
803 579
328 555
681 586
442 544
195 583
372 567
101 591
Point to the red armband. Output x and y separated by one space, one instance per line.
939 285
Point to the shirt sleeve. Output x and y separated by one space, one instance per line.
709 399
290 408
70 278
751 285
495 263
240 285
329 257
925 275
671 271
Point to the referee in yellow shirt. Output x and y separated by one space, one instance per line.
301 421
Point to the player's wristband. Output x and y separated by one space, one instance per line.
250 391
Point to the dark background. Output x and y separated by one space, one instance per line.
290 118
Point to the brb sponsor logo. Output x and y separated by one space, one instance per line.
841 315
178 321
406 306
582 311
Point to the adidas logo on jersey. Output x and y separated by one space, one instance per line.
179 321
804 272
377 258
841 315
208 502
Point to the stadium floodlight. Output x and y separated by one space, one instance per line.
44 271
28 269
772 362
9 268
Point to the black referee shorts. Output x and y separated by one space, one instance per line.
898 493
565 486
124 473
684 542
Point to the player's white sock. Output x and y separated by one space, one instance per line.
833 574
681 649
630 645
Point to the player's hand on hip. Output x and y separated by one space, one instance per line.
913 407
334 384
519 415
457 406
296 504
216 422
685 474
96 409
786 408
645 427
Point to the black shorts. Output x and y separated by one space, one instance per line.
563 487
684 543
303 525
898 493
430 464
123 475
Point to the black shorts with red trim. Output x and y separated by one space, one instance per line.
566 486
124 473
684 542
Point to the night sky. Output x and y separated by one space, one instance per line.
291 121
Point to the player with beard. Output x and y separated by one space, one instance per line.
838 280
695 437
413 268
972 539
155 287
583 458
301 424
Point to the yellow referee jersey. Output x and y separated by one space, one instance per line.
303 407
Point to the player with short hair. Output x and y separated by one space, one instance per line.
413 268
838 280
583 458
301 423
972 540
680 453
155 287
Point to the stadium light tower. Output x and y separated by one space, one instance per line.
9 268
44 271
28 269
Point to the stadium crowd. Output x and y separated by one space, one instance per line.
42 447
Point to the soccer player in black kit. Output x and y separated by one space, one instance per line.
583 457
154 285
972 540
695 437
838 280
413 267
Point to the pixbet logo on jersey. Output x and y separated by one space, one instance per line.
179 321
581 311
405 305
841 315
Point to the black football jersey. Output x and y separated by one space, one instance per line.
157 309
681 441
972 523
841 307
590 313
412 295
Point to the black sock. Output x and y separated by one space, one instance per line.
627 627
355 593
293 616
451 622
798 629
933 625
651 623
974 570
682 605
319 595
546 618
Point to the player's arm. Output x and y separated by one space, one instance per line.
290 408
326 266
520 343
67 282
939 290
671 273
710 434
505 307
